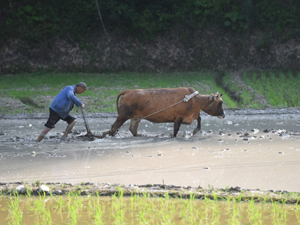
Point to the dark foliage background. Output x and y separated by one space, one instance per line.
36 21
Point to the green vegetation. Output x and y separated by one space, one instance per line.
280 89
34 92
75 20
264 89
102 88
140 209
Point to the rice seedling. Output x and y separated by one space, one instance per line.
279 88
142 209
41 211
254 212
15 213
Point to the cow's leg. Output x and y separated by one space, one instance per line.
117 124
198 128
177 123
134 126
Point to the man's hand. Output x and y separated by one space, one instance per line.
83 105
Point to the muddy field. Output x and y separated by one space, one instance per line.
258 149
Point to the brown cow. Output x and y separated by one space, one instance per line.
165 105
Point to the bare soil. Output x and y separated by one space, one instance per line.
210 49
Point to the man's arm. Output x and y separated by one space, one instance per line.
72 97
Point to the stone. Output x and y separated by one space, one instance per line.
21 189
57 192
44 189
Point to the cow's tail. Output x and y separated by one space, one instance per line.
119 95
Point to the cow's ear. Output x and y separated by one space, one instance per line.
211 97
221 95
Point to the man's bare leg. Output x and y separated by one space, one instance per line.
68 130
43 134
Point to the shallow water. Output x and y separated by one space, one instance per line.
219 156
140 210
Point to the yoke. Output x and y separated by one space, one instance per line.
188 97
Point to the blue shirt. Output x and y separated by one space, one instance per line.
63 103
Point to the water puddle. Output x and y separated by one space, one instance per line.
247 151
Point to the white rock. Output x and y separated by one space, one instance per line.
44 188
284 135
21 189
254 131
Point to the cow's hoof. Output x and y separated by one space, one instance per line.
110 133
196 131
113 133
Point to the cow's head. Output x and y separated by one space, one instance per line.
215 106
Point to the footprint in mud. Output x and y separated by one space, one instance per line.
50 154
222 133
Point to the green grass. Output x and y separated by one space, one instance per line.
102 88
140 209
281 89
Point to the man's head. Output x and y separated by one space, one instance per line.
80 88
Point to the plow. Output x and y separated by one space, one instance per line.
89 135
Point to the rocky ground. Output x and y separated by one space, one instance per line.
153 190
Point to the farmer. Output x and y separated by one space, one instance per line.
60 107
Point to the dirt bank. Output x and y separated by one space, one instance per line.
153 190
210 49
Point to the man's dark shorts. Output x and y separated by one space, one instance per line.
54 118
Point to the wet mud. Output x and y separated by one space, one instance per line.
259 151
